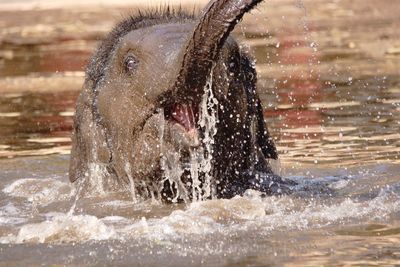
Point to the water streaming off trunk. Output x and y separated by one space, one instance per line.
200 185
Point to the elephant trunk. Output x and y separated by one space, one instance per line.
216 22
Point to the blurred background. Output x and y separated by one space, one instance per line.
49 4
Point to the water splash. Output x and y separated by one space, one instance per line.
199 166
132 188
39 191
207 122
172 171
94 180
220 217
171 167
196 156
62 228
79 187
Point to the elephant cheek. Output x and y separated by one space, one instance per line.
146 155
148 145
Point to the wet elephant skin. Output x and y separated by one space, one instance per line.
141 104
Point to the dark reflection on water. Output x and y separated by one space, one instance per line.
31 58
31 122
358 119
318 119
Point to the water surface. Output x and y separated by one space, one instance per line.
331 95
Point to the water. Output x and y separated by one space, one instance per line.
199 165
334 112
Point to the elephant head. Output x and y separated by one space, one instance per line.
169 109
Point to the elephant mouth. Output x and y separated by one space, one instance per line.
204 45
182 118
196 61
185 115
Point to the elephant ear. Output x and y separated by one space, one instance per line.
89 144
263 138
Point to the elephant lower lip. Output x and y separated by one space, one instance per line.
185 114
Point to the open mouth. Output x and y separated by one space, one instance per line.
184 114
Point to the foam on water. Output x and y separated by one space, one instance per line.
62 228
40 191
218 216
11 215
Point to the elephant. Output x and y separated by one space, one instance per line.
169 110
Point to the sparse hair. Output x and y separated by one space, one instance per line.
95 70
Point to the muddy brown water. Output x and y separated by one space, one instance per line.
329 79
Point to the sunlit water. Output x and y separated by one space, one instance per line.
332 102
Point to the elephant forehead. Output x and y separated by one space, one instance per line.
158 49
162 40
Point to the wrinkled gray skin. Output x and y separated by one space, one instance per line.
127 116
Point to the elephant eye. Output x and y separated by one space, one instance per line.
131 64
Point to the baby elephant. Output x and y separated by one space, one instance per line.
169 110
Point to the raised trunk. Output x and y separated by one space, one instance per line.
217 21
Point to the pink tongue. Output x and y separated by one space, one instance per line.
184 115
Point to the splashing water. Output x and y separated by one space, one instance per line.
241 215
128 171
172 169
79 187
200 163
208 121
